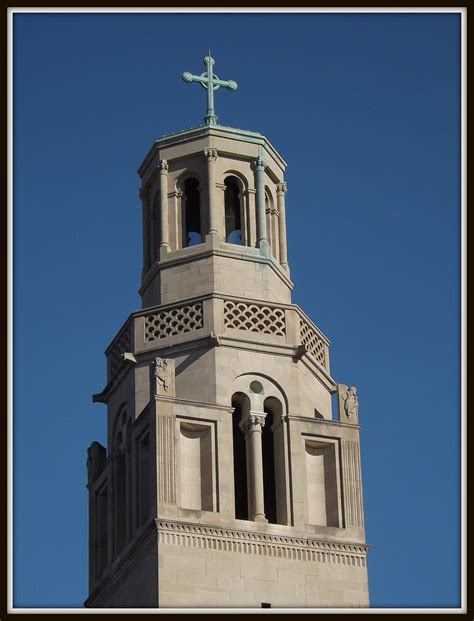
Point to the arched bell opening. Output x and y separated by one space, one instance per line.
233 211
274 471
241 405
192 226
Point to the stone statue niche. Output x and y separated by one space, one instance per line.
348 404
163 377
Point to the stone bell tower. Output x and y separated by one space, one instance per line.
226 481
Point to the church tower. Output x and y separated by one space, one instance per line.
226 480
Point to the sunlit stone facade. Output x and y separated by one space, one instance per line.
227 480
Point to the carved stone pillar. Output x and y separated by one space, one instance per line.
176 241
164 242
145 198
281 191
211 156
250 217
253 427
262 238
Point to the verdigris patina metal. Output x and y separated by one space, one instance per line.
211 83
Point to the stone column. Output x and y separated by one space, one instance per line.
262 239
250 216
164 220
281 191
254 424
145 198
211 156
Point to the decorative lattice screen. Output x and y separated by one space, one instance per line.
254 317
313 342
173 321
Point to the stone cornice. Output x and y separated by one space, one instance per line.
201 131
323 421
300 547
185 256
252 535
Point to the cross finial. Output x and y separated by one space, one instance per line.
211 83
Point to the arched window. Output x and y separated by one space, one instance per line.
240 459
233 226
192 233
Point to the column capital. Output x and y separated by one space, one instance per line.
282 188
163 167
260 163
256 421
210 154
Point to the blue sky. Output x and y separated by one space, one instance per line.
365 110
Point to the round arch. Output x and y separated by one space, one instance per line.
241 179
271 388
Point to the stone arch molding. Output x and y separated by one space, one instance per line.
271 388
270 197
184 176
239 176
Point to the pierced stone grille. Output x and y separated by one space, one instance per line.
313 343
254 317
174 321
121 345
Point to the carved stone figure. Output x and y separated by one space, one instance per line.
351 404
163 374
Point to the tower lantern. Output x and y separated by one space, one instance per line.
226 480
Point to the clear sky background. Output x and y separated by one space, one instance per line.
365 110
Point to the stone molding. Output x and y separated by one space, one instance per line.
250 542
201 133
185 255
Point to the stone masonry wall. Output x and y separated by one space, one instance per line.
215 578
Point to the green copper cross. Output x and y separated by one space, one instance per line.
211 83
